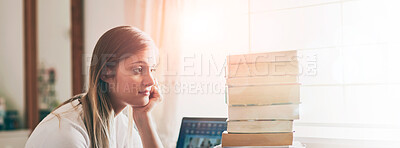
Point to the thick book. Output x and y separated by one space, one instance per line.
264 112
261 80
260 126
281 56
264 94
265 139
263 69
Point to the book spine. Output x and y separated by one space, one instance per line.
267 112
272 139
257 126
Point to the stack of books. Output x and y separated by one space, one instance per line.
263 95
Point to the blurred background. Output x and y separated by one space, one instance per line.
348 51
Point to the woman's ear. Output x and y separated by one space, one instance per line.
106 76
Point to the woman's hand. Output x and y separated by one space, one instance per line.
144 122
154 98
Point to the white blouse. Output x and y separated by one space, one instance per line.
70 130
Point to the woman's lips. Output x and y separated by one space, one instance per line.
146 92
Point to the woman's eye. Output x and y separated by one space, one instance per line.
153 70
138 70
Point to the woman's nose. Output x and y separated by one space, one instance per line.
148 79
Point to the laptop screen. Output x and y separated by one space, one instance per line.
201 132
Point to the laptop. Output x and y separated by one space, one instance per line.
201 132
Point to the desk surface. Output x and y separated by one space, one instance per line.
296 144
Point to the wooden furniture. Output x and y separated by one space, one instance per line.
30 56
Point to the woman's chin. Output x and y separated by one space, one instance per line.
143 102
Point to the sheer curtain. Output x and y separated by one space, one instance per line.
160 19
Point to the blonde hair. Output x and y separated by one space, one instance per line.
98 114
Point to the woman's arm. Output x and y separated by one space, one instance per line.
144 121
147 131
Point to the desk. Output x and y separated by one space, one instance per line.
14 138
296 144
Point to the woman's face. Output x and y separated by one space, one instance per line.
134 79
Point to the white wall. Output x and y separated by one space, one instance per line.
353 95
211 30
99 16
11 56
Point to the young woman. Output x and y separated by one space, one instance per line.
121 75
